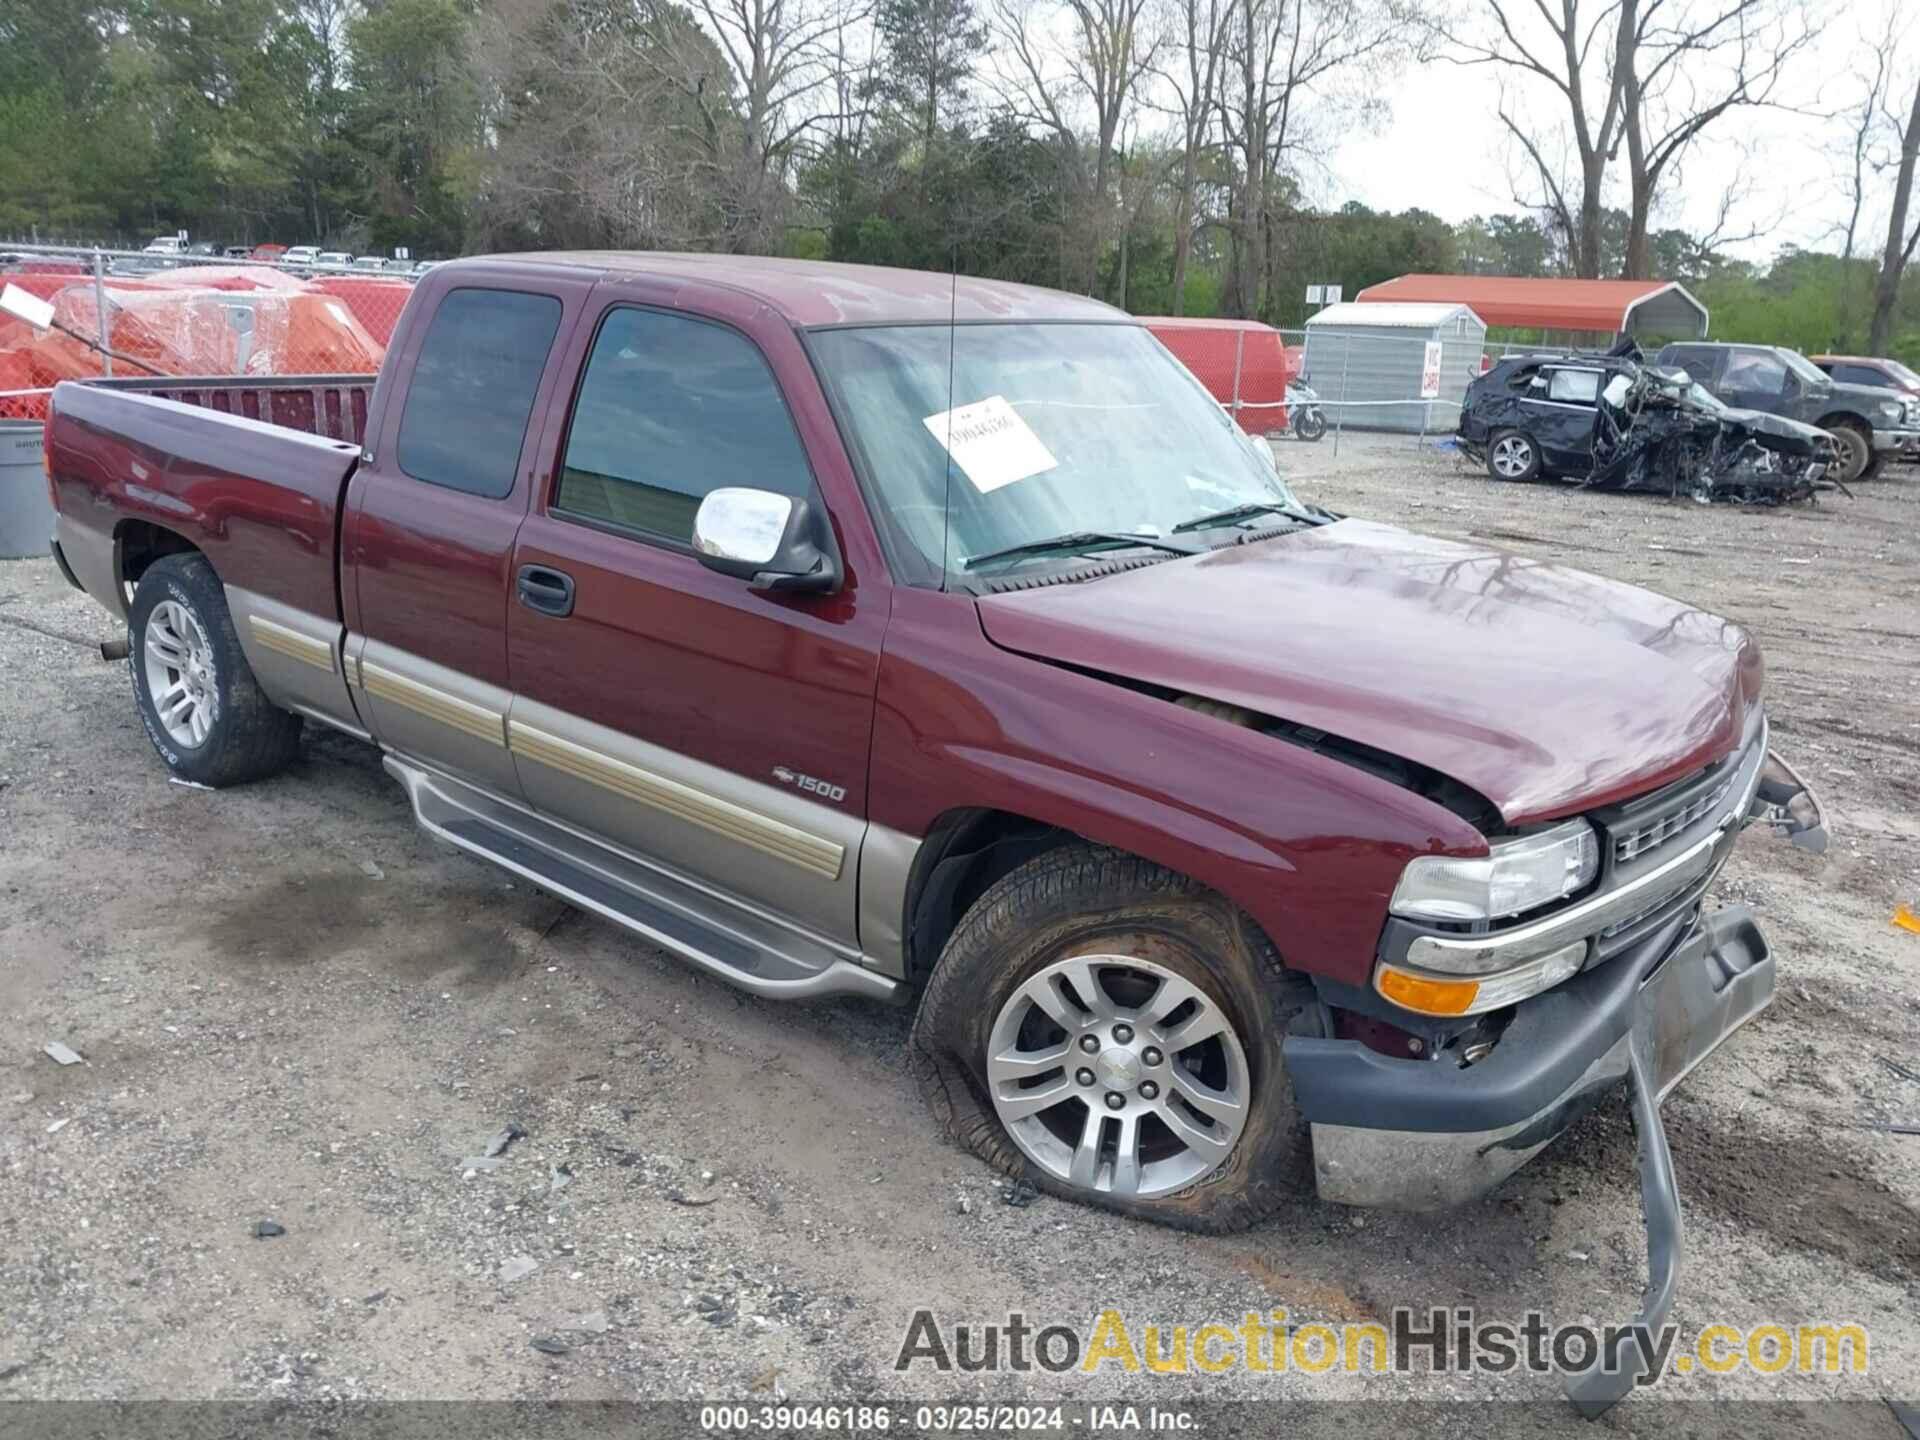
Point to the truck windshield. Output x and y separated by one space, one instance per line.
1053 429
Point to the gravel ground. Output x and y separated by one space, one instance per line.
295 1008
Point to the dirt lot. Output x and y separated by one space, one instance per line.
292 1006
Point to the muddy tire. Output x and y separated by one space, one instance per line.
1858 459
1084 919
202 708
1513 455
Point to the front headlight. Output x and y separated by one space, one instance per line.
1514 876
1893 410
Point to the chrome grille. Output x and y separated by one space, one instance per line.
1632 841
1620 927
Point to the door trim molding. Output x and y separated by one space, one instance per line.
284 640
478 721
810 852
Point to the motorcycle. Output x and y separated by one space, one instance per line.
1305 419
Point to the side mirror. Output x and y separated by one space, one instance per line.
777 542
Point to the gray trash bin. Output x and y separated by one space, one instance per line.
26 513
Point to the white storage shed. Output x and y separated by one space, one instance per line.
1370 361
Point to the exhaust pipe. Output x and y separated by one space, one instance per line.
115 649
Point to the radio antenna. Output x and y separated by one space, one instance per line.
946 499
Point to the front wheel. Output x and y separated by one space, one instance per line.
1310 425
201 706
1110 1031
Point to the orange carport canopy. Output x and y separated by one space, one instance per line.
1614 307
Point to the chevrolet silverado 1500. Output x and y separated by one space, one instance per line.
863 632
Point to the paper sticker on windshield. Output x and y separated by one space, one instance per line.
990 443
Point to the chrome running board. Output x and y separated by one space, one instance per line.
746 949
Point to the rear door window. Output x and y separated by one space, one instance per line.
1696 360
670 409
472 389
1574 387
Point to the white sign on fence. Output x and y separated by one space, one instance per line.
24 305
1314 293
1333 294
1430 372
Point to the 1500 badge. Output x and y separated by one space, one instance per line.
810 784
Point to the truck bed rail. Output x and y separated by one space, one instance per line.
333 406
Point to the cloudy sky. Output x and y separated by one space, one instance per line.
1443 149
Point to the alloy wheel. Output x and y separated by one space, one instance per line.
1512 456
178 658
1114 1074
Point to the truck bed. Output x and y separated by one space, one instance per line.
333 406
250 471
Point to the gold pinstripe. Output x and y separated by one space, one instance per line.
450 710
683 802
283 640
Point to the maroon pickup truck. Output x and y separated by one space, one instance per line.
850 631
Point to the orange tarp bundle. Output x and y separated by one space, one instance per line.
209 320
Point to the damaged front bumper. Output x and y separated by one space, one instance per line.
1420 1135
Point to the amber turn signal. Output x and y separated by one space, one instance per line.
1426 994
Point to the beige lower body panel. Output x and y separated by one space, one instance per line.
712 929
418 707
299 658
90 555
796 858
886 871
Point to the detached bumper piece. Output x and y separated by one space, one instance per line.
1406 1134
1787 803
1717 980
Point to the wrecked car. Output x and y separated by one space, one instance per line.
1870 423
848 631
1610 422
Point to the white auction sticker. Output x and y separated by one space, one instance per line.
990 443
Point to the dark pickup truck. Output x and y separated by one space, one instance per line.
1869 423
863 632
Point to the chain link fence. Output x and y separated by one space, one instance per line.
131 313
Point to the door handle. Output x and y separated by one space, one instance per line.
542 588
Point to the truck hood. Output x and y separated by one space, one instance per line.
1547 690
1789 435
1861 397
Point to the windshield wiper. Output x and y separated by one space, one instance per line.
1077 541
1239 512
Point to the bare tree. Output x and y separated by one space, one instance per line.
1279 53
1683 72
1646 75
1900 240
1865 120
1099 70
1485 34
780 57
1191 73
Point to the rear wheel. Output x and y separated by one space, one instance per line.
1512 455
1110 1032
201 706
